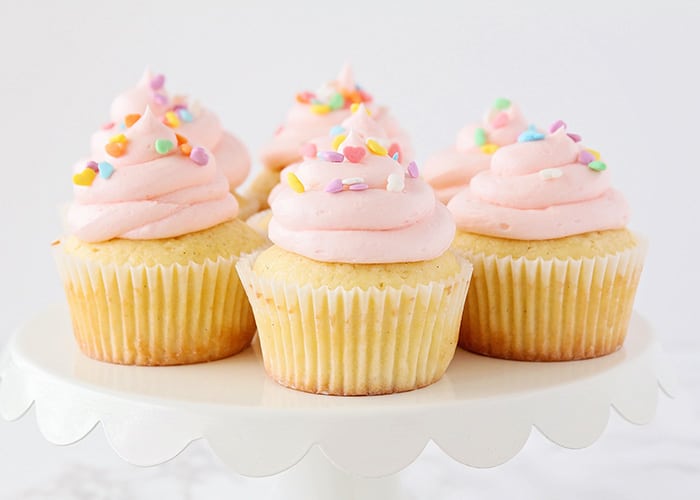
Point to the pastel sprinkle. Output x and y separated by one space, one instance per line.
375 148
531 134
336 130
358 187
501 103
84 178
597 165
335 186
395 183
356 105
586 157
320 109
556 126
115 149
395 156
171 119
160 99
336 101
394 148
595 153
489 149
332 156
108 125
181 139
129 120
163 146
412 170
500 120
118 138
308 150
199 156
349 181
574 137
337 141
157 82
295 183
479 136
550 173
106 169
354 154
184 115
304 97
186 148
92 165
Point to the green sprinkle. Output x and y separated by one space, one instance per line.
163 146
501 103
336 101
480 136
597 165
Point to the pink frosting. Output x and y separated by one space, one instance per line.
374 225
151 195
537 190
450 170
302 124
205 128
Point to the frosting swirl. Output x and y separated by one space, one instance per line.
184 116
450 170
152 185
356 204
542 187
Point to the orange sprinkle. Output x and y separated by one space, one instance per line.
355 96
181 139
186 149
115 149
129 120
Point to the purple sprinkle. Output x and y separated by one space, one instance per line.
412 170
556 126
160 99
178 107
199 156
585 157
574 137
157 82
335 186
92 165
358 187
332 156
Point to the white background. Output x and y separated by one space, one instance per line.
624 76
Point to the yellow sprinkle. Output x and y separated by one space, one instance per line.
338 140
595 153
294 182
489 148
320 109
356 105
171 119
118 138
84 178
375 147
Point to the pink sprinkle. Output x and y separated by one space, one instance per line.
500 120
157 82
160 99
332 156
585 157
354 154
412 170
394 148
178 107
309 150
335 186
199 156
556 126
574 137
92 165
358 187
107 125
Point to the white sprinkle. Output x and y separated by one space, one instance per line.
550 173
395 183
352 180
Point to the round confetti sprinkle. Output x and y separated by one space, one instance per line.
395 183
184 115
358 187
199 156
320 109
354 154
501 103
337 141
336 101
412 170
489 149
163 146
586 157
375 148
550 173
309 150
479 136
84 178
556 126
106 169
157 82
353 180
332 156
597 165
336 130
115 149
129 120
294 182
335 186
531 134
574 137
92 165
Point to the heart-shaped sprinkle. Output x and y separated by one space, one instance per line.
489 148
304 97
320 109
295 183
500 120
574 137
186 148
332 156
585 157
412 170
181 139
336 130
199 156
171 119
106 169
334 186
184 115
479 136
84 178
160 99
115 149
394 148
597 165
309 150
163 146
361 186
531 134
395 183
501 103
375 148
550 173
157 82
354 154
129 120
556 126
337 141
118 138
92 165
348 181
337 101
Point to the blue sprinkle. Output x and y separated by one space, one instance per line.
531 134
337 130
106 169
184 115
122 126
395 156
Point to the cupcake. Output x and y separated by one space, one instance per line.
359 294
313 115
187 118
148 265
555 269
451 170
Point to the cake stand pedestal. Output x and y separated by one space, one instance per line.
481 413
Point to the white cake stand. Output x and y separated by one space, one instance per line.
480 413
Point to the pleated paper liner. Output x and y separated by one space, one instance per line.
354 341
550 309
156 315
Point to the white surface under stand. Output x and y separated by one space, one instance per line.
481 413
